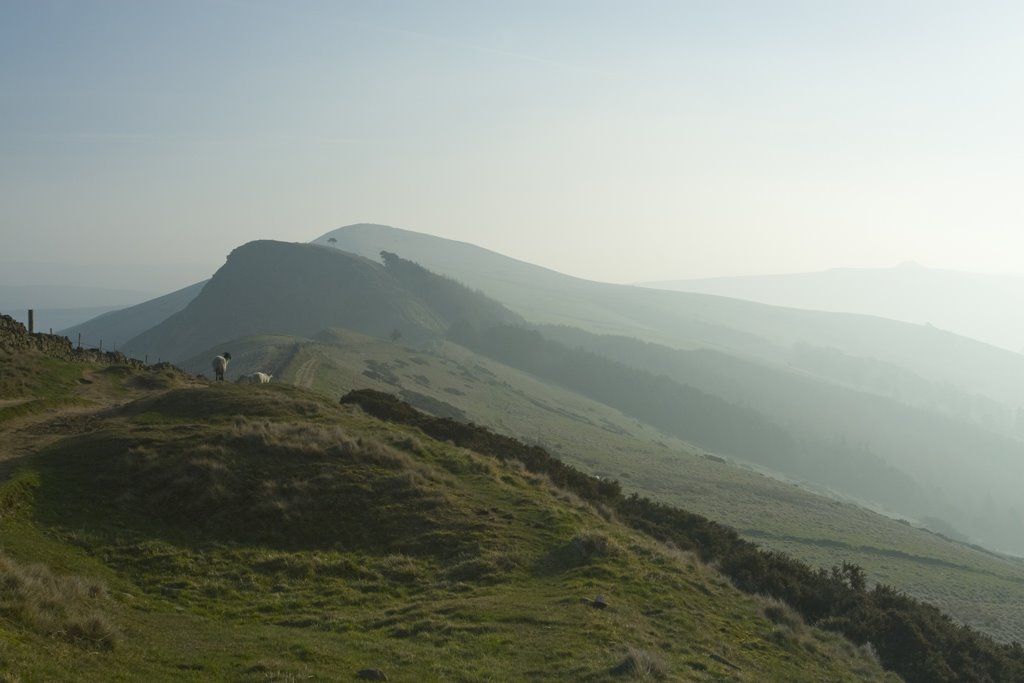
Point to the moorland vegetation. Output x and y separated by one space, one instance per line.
912 638
168 528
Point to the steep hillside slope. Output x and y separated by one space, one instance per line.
858 435
450 381
825 459
855 443
270 287
236 533
115 328
417 289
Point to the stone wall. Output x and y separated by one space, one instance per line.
15 337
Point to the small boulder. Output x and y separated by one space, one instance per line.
597 603
372 675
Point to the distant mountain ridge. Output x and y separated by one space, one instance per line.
971 304
762 332
687 320
126 323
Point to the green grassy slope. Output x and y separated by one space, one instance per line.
265 533
979 588
277 288
307 374
964 473
268 287
854 435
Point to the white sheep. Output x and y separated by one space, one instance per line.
255 378
220 365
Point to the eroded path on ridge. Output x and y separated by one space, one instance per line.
27 434
306 373
98 392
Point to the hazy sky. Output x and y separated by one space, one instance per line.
620 141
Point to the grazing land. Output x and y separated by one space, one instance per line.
162 527
977 587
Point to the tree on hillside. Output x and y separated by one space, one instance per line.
333 242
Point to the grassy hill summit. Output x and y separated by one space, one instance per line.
268 287
160 527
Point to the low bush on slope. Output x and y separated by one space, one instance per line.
912 638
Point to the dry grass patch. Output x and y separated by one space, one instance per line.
781 614
68 607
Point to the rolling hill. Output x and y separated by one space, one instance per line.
969 304
280 308
908 459
118 326
271 287
687 320
450 381
844 348
159 527
855 350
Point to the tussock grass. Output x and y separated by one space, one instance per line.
223 402
491 566
784 616
302 438
17 492
587 545
68 607
30 374
155 379
287 484
641 665
313 564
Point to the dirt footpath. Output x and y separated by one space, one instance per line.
99 390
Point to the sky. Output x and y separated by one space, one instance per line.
618 141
